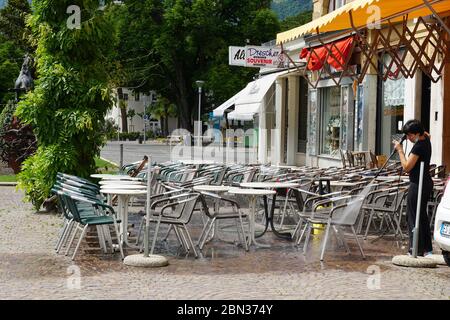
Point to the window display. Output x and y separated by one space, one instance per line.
393 103
331 120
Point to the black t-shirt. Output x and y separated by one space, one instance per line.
421 148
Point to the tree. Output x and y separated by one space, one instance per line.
10 61
289 8
123 115
14 43
13 23
67 108
162 110
296 21
166 45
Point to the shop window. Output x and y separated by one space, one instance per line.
335 4
392 109
330 120
359 112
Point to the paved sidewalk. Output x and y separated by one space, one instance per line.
29 269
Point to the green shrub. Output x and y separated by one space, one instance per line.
68 105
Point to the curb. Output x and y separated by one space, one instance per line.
8 184
109 161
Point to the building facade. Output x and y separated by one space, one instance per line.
317 117
138 102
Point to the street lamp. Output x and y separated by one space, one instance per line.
199 84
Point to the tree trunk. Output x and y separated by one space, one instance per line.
166 121
123 114
182 97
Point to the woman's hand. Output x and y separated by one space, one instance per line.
397 145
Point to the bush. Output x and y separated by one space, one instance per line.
131 136
67 108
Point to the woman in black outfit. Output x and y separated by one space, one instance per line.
421 152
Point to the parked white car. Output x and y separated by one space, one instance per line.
442 224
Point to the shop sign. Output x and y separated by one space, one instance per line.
257 56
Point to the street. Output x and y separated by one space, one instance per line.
133 152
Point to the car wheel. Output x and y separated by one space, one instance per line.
446 256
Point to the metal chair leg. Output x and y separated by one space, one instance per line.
359 244
155 235
66 235
190 241
300 237
71 240
79 241
369 223
325 239
308 235
61 234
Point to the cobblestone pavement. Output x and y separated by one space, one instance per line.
30 269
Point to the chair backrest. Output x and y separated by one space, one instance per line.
343 160
61 203
349 212
69 203
350 159
373 159
185 207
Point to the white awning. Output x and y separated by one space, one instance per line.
218 112
244 112
249 103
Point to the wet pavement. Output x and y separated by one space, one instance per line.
30 268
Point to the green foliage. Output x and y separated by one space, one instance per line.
131 136
13 23
289 8
14 43
110 129
166 45
71 97
104 166
6 117
11 57
8 178
296 21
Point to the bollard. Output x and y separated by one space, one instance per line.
121 156
148 207
419 199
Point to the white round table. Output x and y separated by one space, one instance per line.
211 188
124 186
120 182
196 161
124 195
114 177
252 193
269 185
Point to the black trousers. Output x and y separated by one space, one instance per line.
425 245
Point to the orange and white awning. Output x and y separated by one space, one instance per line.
365 13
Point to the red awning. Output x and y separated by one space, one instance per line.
335 54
